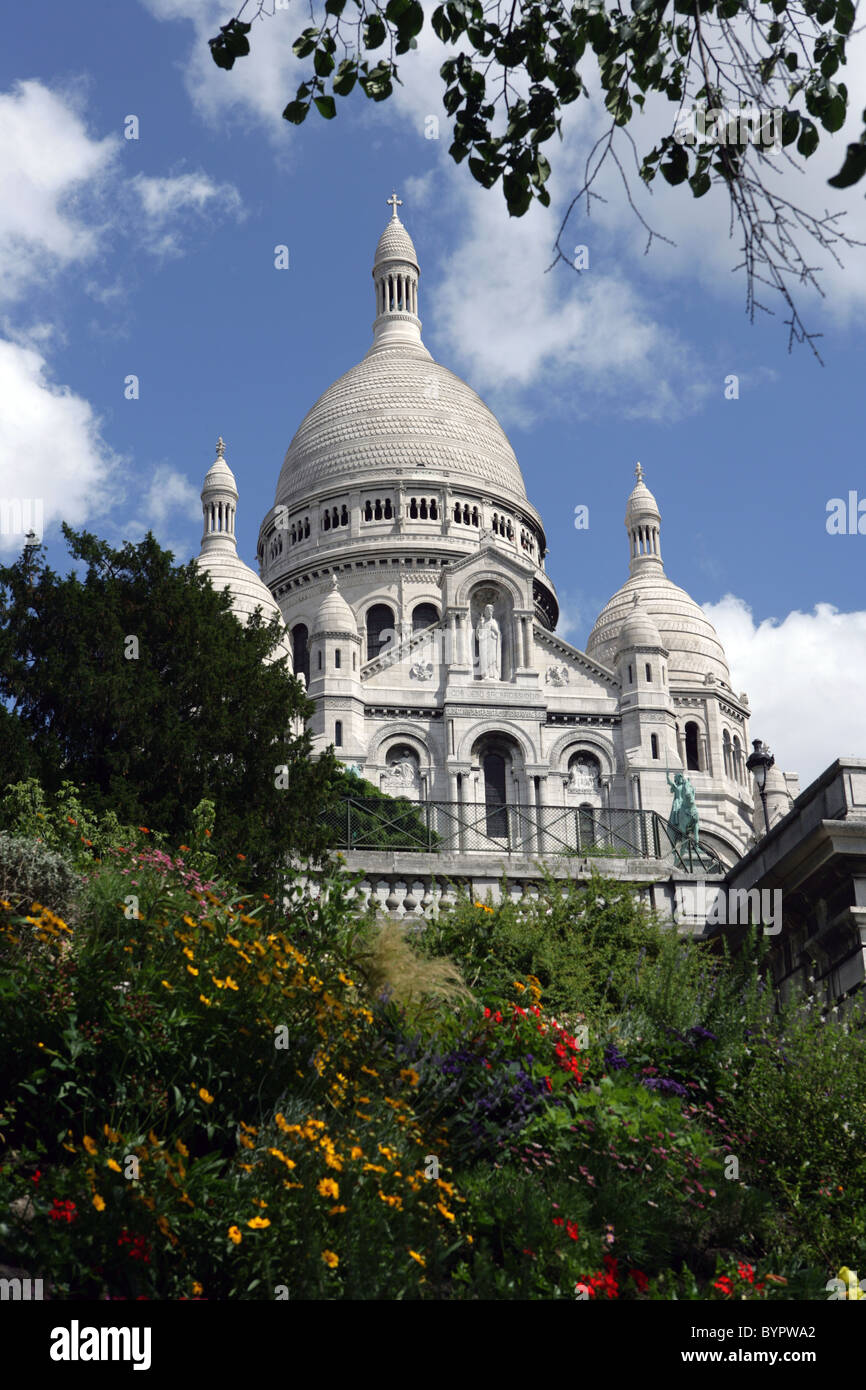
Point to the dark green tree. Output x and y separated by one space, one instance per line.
134 679
521 62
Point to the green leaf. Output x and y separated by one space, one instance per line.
676 168
326 106
374 32
808 141
323 63
700 184
334 6
296 112
844 17
853 168
833 118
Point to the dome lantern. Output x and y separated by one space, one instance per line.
219 558
395 275
643 523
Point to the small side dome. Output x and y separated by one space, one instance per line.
334 614
639 630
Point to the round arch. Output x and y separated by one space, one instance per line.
495 579
503 727
571 743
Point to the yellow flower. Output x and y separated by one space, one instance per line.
197 1288
230 984
331 1260
449 1215
234 1235
519 985
373 1168
356 1152
410 1074
204 1000
90 1144
114 1166
258 1223
337 1211
181 1148
111 1134
192 970
188 953
205 1095
328 1188
162 1223
419 1258
98 1202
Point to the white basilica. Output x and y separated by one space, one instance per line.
408 564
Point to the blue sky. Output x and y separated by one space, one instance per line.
155 257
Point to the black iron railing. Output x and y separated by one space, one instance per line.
450 827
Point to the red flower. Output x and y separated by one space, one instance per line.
36 1176
559 1220
548 1083
640 1279
746 1272
62 1211
571 1229
724 1285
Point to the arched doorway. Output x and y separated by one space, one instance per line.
499 763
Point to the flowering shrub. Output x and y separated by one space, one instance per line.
209 1095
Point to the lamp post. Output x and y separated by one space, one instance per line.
759 763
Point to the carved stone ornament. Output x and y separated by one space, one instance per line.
421 670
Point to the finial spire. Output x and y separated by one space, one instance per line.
221 448
394 203
638 473
334 584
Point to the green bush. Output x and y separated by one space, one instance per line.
30 872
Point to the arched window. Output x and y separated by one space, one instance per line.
495 794
726 754
306 527
338 733
380 629
338 659
654 745
368 511
326 521
649 674
301 651
737 759
389 511
413 509
424 615
434 509
692 759
344 516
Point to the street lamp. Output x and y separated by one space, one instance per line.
759 764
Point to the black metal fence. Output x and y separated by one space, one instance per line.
452 827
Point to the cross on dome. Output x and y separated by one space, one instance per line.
221 448
394 203
638 472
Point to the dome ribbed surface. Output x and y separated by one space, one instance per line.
399 413
695 650
639 630
395 243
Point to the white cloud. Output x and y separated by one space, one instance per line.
169 498
50 447
167 203
804 679
163 198
47 161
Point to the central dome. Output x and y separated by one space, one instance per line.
399 413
